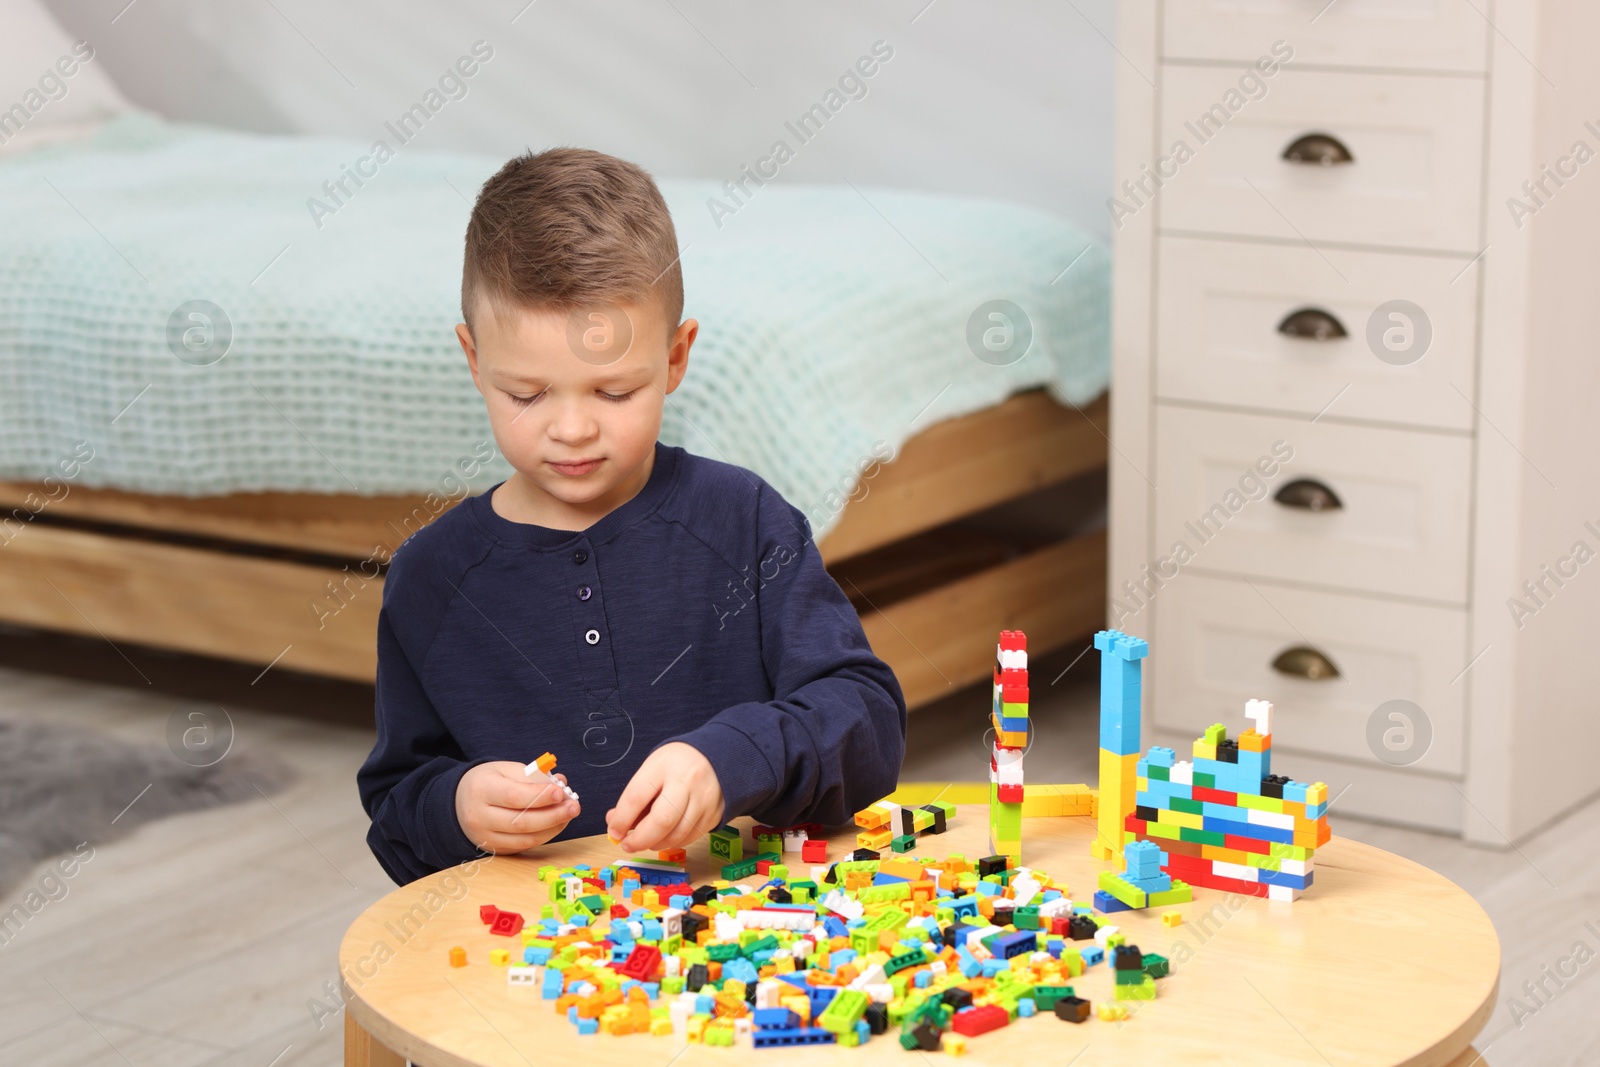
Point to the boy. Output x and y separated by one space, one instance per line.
661 622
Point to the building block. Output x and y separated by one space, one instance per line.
727 844
458 956
506 924
815 850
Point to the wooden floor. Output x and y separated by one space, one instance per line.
206 938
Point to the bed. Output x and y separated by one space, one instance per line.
221 410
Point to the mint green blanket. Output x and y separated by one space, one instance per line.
835 321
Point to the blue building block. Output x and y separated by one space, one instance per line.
1091 954
1107 903
775 1018
1120 689
1295 791
1026 1008
552 986
588 1026
1005 946
1246 829
810 1035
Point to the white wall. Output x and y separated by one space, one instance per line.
1010 100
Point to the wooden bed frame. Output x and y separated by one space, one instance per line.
292 579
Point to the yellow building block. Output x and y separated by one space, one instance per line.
1118 778
875 839
1172 918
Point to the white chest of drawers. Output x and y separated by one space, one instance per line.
1423 535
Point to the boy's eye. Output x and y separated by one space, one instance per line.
618 397
523 401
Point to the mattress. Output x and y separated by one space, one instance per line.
192 308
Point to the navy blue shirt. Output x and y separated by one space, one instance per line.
699 611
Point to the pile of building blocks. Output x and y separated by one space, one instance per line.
1224 820
543 769
931 951
1009 719
1221 821
886 824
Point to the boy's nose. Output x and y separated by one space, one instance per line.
572 424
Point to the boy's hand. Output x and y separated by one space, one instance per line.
500 809
672 799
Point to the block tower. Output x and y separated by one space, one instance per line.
1120 672
1010 720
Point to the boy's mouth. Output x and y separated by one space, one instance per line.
575 469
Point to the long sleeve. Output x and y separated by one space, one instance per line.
408 782
831 740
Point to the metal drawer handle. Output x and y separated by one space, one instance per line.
1312 324
1302 661
1321 149
1310 494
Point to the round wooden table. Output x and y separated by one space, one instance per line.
1382 962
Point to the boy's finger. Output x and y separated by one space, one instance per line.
639 793
533 820
665 813
511 793
684 832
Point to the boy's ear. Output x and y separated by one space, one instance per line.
678 352
464 335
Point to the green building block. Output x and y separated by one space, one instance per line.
1044 996
727 844
738 869
1143 990
1180 893
1123 890
903 843
843 1010
1155 965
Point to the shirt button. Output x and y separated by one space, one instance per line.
593 637
583 592
580 556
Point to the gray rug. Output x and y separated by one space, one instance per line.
61 786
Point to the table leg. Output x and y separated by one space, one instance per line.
361 1049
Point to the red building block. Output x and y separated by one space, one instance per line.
1008 794
642 963
974 1021
506 924
814 851
487 912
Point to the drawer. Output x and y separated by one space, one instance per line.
1399 527
1397 34
1416 145
1215 641
1222 303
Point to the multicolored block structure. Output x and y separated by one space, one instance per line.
1009 717
1142 884
543 769
1222 820
1120 691
886 824
1225 820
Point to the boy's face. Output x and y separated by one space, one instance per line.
575 399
